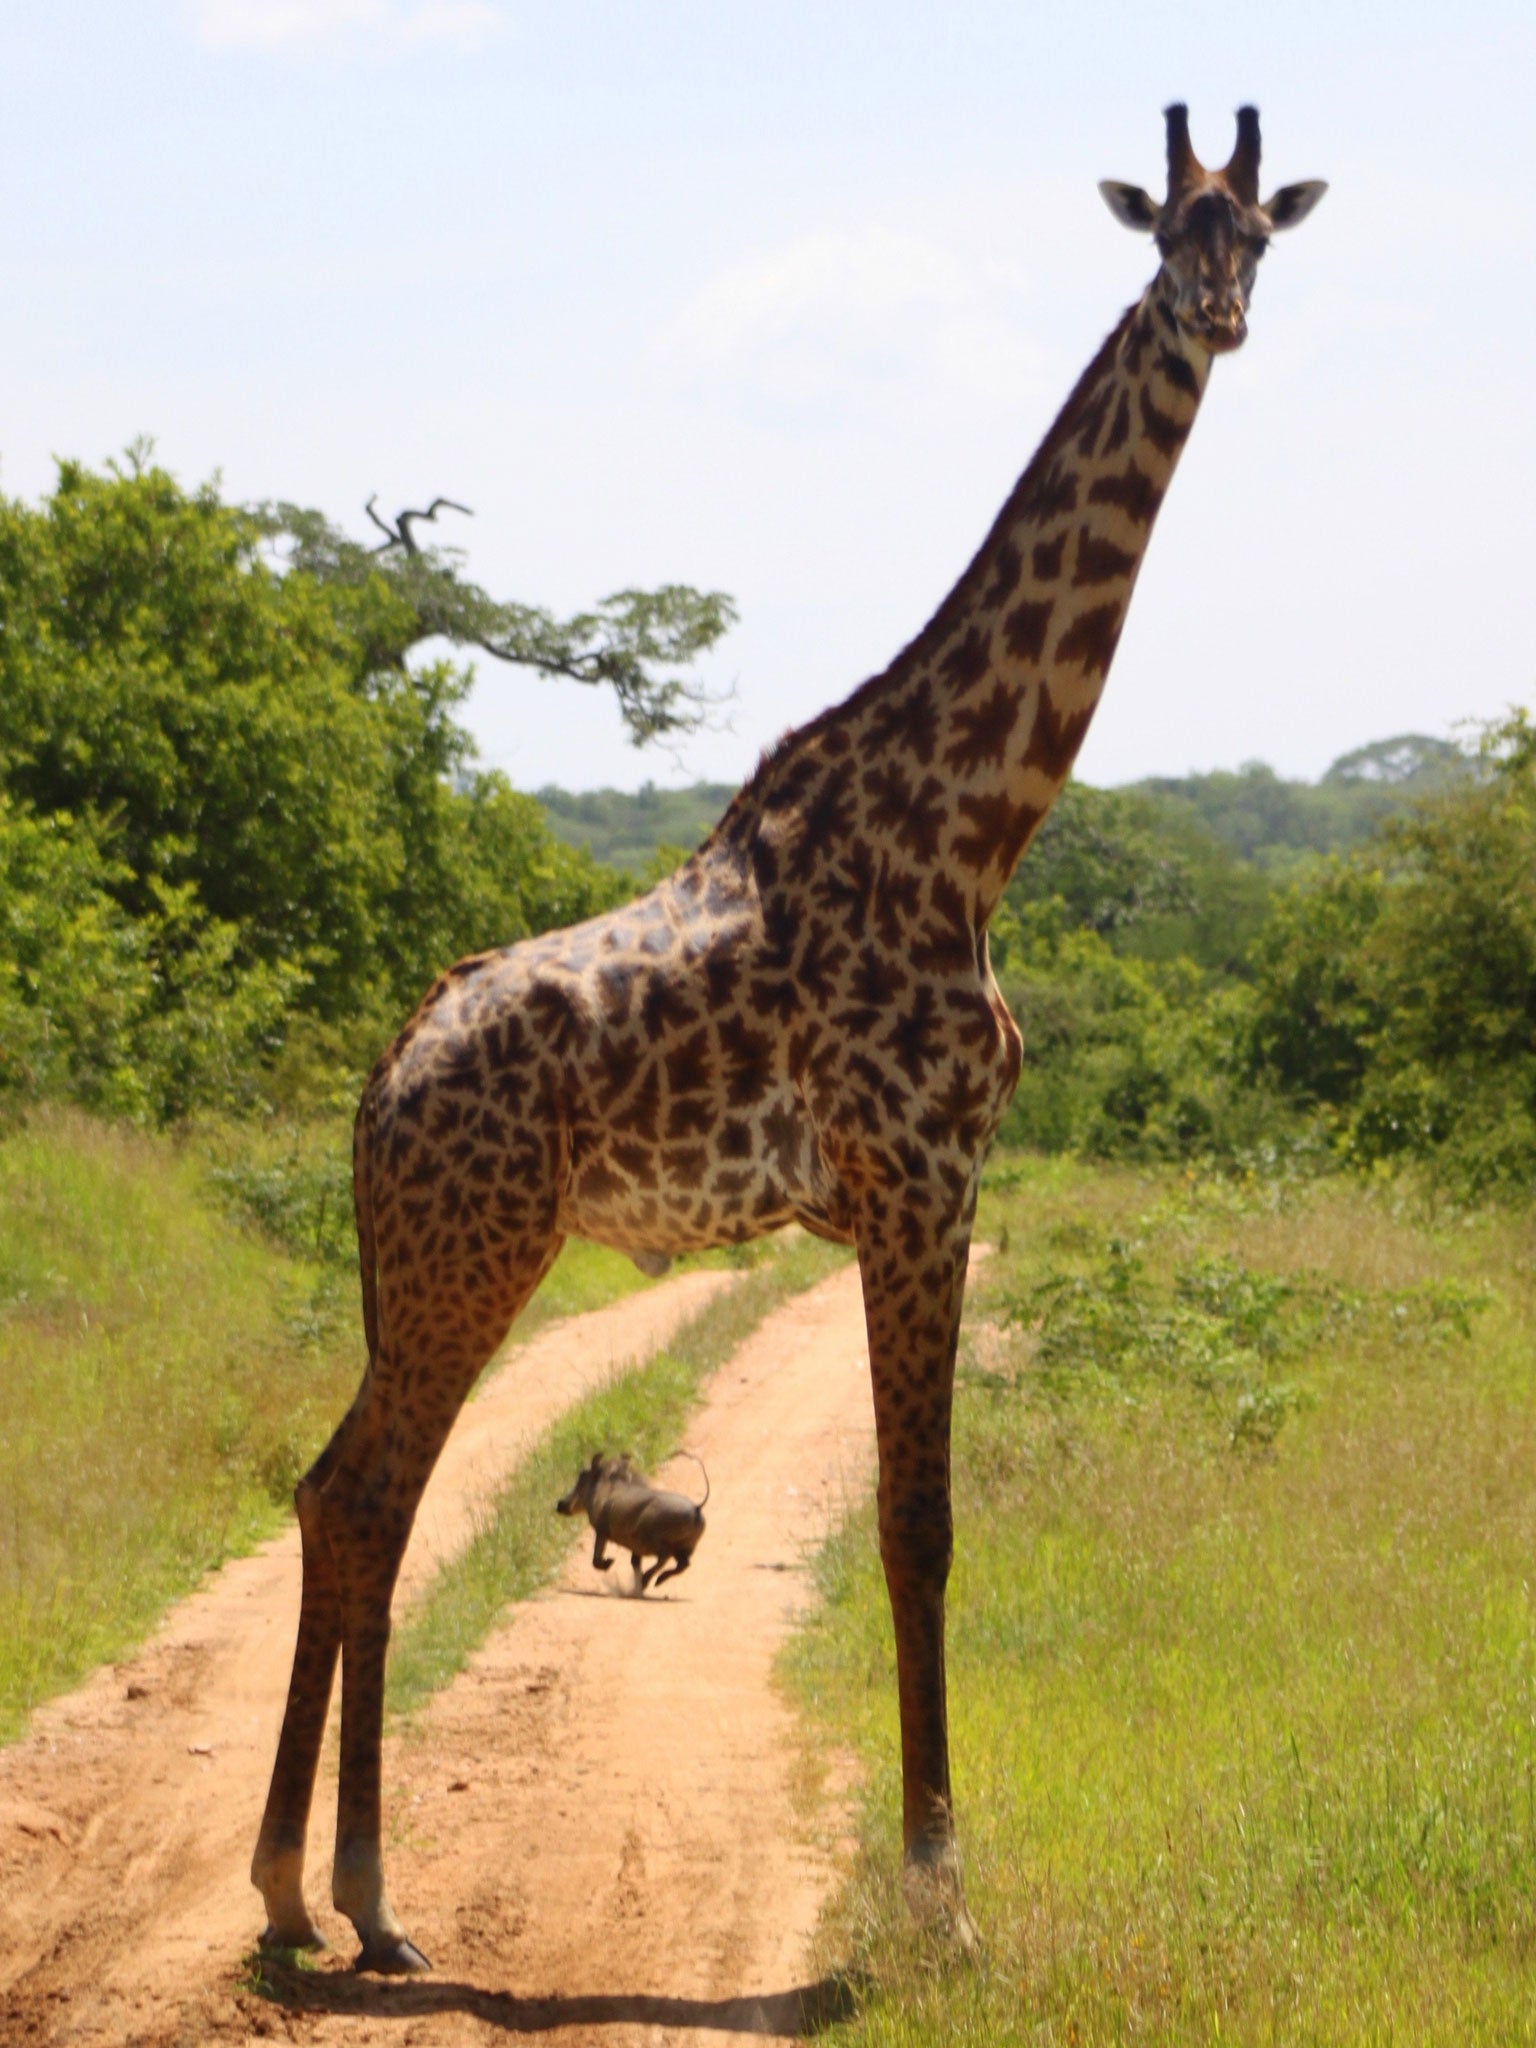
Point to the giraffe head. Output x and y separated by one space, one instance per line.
1211 229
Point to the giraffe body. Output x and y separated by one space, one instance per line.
800 1024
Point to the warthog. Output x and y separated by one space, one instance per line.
624 1508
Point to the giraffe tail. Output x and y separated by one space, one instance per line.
362 1205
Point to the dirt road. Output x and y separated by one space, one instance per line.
593 1833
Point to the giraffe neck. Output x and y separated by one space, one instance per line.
970 733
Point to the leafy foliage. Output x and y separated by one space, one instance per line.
1398 991
1101 855
1378 1006
137 1016
230 813
1219 1332
1123 1057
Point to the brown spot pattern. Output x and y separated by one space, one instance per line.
1025 628
1100 561
1045 558
982 731
1091 639
1056 737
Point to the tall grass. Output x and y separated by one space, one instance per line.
164 1376
1243 1720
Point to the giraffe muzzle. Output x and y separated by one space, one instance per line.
1220 326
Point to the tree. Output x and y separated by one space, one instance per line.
228 798
1411 759
1101 855
1397 989
627 641
1318 1011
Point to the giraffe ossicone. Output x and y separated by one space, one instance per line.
799 1025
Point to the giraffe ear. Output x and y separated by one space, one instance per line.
1292 203
1132 207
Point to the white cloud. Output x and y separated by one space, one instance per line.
291 24
841 313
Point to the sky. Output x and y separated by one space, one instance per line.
778 300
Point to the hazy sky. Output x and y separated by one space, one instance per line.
779 299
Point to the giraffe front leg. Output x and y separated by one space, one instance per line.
914 1284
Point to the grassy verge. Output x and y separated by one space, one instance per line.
164 1375
179 1334
522 1542
1242 1654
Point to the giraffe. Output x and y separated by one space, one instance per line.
799 1025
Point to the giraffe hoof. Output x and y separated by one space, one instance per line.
392 1956
964 1932
937 1903
275 1942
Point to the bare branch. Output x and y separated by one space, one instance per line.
399 535
391 538
633 642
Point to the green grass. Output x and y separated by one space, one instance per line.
522 1542
1242 1657
179 1334
164 1377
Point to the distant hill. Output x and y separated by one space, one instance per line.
1261 817
624 828
1250 811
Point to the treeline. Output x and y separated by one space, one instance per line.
1251 812
1376 1007
240 830
630 829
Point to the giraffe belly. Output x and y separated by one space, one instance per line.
695 1192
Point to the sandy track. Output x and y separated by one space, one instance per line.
593 1832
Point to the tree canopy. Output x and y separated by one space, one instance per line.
229 797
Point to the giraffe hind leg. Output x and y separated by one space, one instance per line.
369 1507
277 1867
355 1510
435 1344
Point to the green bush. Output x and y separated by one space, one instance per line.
147 1016
1397 991
1125 1058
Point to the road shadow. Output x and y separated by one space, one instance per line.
805 2010
655 1602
